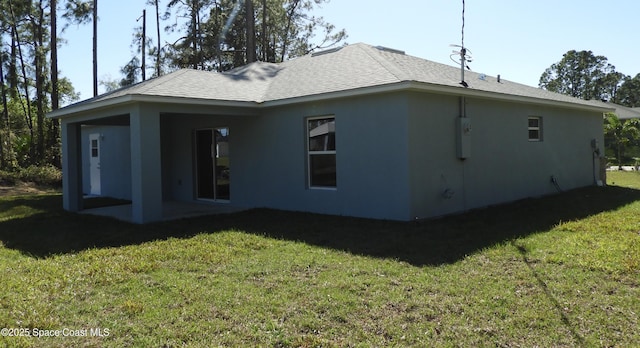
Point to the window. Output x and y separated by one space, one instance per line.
321 151
94 147
535 128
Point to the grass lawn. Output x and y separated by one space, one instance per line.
556 271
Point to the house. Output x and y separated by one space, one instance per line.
358 130
625 113
621 111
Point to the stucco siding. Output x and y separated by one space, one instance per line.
434 166
399 150
503 164
395 155
115 160
270 159
178 151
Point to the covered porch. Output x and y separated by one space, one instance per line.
161 158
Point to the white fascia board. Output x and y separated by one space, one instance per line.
440 89
82 108
194 101
533 100
85 106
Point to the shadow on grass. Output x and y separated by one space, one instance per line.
50 230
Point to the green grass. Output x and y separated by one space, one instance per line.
557 271
624 179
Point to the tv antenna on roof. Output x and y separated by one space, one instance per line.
464 54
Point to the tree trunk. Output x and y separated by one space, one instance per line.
143 46
619 155
13 67
95 48
26 108
194 24
251 32
265 40
54 136
55 98
158 62
285 35
39 62
4 119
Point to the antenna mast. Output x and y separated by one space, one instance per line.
463 51
464 57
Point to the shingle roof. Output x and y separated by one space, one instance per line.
625 113
347 69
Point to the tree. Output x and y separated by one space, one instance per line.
629 92
224 34
5 145
130 72
54 132
191 42
18 19
158 53
251 31
582 75
30 83
95 47
620 134
39 24
55 99
109 84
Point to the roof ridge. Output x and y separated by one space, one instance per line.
160 80
262 96
383 61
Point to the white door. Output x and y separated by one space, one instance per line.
94 163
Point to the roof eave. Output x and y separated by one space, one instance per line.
435 88
142 98
386 88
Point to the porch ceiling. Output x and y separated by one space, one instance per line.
120 120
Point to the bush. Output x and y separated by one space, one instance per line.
8 178
47 175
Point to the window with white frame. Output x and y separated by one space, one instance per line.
535 128
321 151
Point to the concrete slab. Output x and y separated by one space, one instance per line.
171 210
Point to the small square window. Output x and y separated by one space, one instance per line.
535 128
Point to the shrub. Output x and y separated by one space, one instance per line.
47 175
42 175
8 178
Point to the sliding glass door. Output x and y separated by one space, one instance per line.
212 164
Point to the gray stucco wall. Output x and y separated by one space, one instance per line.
178 150
371 159
115 160
395 153
504 165
269 165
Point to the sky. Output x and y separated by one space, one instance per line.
517 39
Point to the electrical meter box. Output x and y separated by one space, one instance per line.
463 135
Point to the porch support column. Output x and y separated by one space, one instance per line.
71 166
146 169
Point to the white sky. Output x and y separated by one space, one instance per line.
517 39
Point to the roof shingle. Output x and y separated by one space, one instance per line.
351 67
